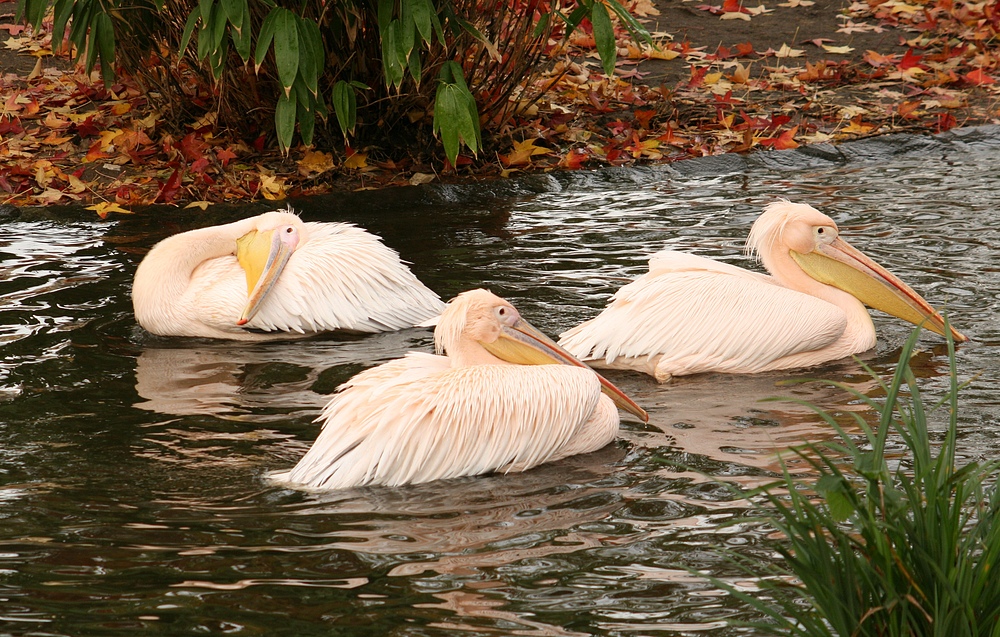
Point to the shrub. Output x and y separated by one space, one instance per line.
372 64
874 550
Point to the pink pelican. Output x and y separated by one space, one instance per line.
690 314
274 276
504 398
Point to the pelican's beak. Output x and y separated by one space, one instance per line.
524 345
842 266
263 255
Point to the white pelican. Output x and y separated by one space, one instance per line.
275 276
690 314
504 398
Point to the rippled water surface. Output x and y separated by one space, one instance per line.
131 467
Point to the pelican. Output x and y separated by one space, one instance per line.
690 314
504 398
274 276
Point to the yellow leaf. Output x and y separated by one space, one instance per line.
356 161
712 78
315 163
105 207
734 15
75 184
788 52
198 204
272 187
522 153
837 50
121 108
421 178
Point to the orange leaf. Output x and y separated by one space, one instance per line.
978 78
784 141
315 163
105 207
522 153
121 108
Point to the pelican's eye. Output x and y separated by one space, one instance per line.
825 234
506 315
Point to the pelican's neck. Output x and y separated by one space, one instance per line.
165 273
469 352
860 330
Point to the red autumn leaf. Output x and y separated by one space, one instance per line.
906 109
95 152
734 6
199 165
911 60
225 156
946 121
192 148
745 50
784 141
574 159
643 116
169 190
978 78
697 76
14 29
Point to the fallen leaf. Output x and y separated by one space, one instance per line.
315 163
838 50
272 188
356 161
199 204
522 153
418 179
104 208
788 52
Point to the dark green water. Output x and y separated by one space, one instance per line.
131 467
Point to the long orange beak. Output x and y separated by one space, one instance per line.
524 345
844 267
263 255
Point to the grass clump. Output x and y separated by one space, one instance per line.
885 546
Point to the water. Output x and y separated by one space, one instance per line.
131 467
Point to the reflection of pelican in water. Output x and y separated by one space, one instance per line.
690 314
217 379
504 398
274 276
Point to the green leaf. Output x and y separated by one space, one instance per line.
286 47
218 27
455 116
835 490
307 121
345 106
265 37
206 10
311 55
604 36
385 12
421 10
392 66
635 29
234 11
284 120
241 33
415 65
106 41
192 21
61 14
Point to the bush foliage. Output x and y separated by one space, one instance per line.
344 65
881 545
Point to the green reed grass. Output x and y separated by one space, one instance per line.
886 546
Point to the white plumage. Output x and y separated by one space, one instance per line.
426 417
690 314
337 277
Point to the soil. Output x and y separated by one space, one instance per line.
809 78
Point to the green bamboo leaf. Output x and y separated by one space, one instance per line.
635 29
217 59
446 113
106 41
307 117
604 36
392 66
284 120
192 22
385 12
345 106
286 47
415 65
218 27
92 47
206 9
234 11
241 33
78 29
265 37
455 116
421 10
61 13
311 55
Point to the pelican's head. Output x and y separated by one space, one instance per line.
813 241
263 253
478 326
